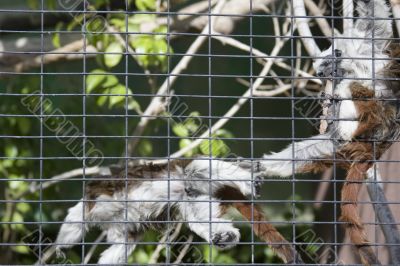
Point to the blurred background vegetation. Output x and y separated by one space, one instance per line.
25 157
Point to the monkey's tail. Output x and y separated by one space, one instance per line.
268 233
73 228
354 226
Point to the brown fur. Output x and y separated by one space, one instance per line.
121 179
265 231
377 125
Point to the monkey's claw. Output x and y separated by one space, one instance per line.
224 240
258 181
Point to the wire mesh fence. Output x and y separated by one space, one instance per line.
203 132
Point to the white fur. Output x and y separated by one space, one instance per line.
294 157
122 213
357 63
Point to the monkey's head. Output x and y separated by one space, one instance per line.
328 64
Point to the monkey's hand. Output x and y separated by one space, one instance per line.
255 176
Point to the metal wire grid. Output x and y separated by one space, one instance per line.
40 182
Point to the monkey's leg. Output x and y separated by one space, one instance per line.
203 216
222 174
299 157
119 250
268 232
354 226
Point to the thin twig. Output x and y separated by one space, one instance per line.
184 250
94 246
62 53
236 107
396 13
154 107
156 254
384 214
322 22
323 188
239 45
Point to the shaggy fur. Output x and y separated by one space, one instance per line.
149 196
364 117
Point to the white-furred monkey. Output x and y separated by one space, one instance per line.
148 196
363 116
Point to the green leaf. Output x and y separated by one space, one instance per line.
183 143
141 257
141 18
119 89
24 125
113 54
117 22
33 4
11 151
224 259
180 130
101 101
145 148
23 249
218 148
134 105
210 253
23 207
94 80
146 5
111 81
223 133
56 40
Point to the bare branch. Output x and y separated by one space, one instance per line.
265 57
396 13
236 9
154 107
322 22
71 51
161 245
384 214
236 107
304 29
323 188
94 246
184 250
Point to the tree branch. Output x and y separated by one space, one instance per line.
63 53
322 22
154 107
384 214
236 107
396 13
304 29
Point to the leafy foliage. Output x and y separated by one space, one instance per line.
148 50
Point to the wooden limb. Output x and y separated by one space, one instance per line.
268 232
323 24
303 28
384 215
234 11
396 13
353 224
154 107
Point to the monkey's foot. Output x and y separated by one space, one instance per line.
258 181
224 240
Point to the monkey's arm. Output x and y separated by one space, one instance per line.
298 157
